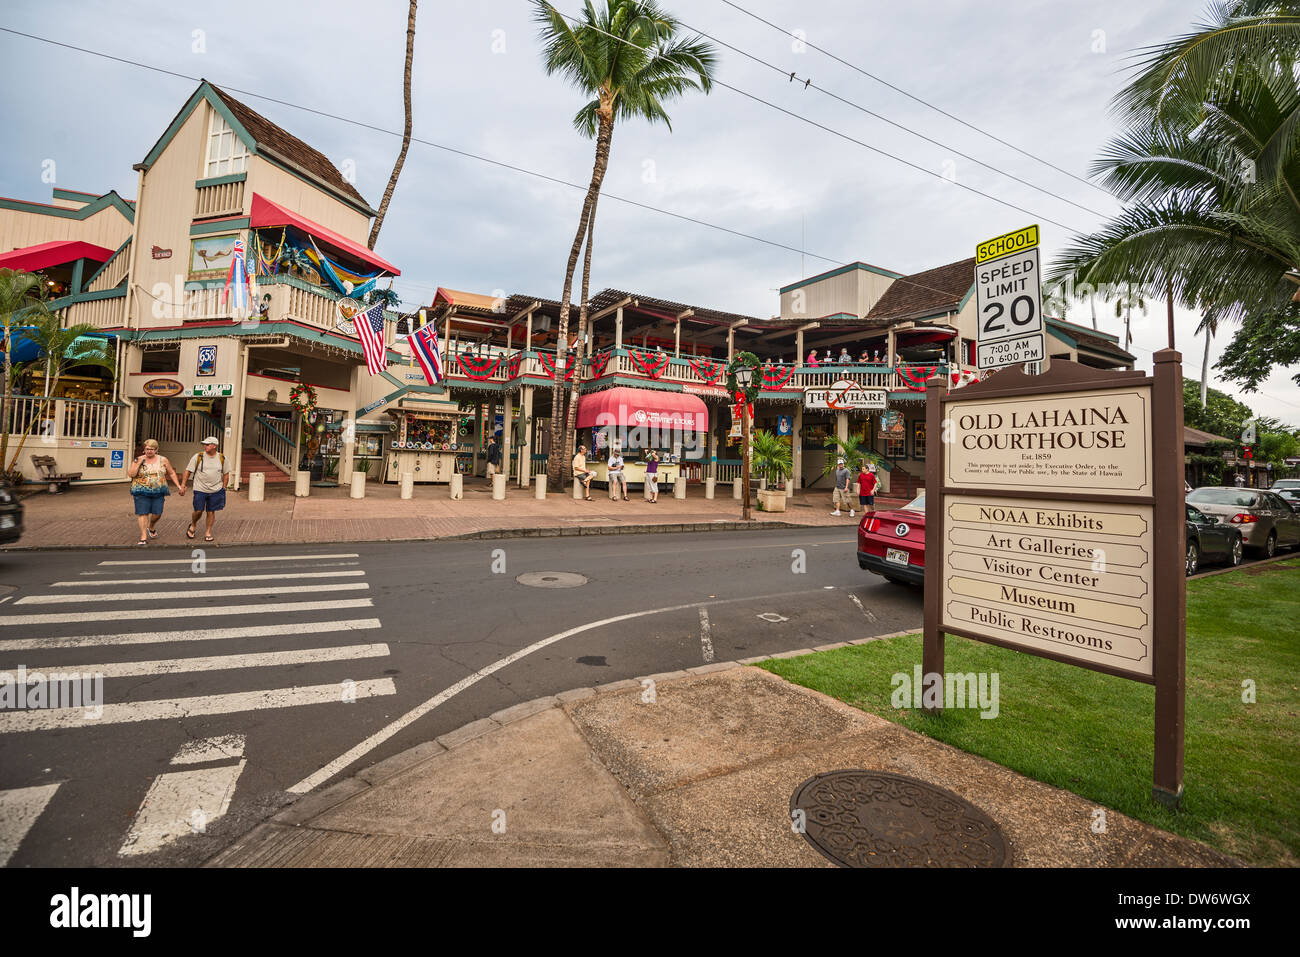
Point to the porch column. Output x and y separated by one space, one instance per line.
677 339
526 450
713 442
842 426
618 328
798 348
478 435
796 442
238 423
348 451
892 347
731 345
507 435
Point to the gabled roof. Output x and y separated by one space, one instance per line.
942 289
261 136
123 206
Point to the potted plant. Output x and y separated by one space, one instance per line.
772 455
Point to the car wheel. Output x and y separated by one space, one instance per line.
1236 551
1193 558
1270 545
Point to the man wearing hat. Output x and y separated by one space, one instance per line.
842 488
210 470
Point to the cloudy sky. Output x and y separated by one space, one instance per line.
1037 75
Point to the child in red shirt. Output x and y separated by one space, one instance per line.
866 487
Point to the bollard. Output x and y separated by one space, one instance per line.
358 484
457 486
408 484
302 484
539 486
499 487
612 490
710 486
257 487
735 488
679 487
577 489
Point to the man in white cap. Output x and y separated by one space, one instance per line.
211 472
842 488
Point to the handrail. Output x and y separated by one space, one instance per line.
266 423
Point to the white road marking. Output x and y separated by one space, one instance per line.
198 579
38 719
257 558
19 810
171 666
229 746
862 608
198 634
217 613
180 803
66 599
706 635
383 734
313 565
5 599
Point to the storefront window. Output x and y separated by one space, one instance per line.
896 446
918 439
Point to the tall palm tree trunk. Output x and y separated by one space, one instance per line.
1205 367
6 412
571 415
406 129
557 466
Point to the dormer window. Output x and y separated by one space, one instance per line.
226 151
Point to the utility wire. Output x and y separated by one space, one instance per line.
914 97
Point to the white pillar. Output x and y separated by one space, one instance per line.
577 489
257 487
539 492
358 485
499 486
679 486
456 486
507 435
618 329
408 485
736 488
796 443
302 484
710 486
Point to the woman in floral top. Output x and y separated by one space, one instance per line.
149 474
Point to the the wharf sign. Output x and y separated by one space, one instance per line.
1054 526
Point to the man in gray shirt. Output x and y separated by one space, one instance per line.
841 496
211 472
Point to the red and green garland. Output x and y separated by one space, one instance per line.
914 377
512 368
303 399
710 372
478 368
774 377
599 363
548 363
651 364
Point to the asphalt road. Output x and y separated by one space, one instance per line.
319 661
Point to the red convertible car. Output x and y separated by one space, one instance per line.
891 543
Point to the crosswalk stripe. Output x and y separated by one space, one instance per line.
180 803
169 666
66 599
198 634
47 719
143 572
196 579
217 613
227 746
255 558
19 810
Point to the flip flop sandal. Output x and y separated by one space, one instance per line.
142 542
208 538
153 533
189 532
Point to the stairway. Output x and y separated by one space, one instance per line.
903 484
253 461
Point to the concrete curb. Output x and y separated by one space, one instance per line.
1244 565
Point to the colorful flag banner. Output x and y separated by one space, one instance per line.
369 327
424 347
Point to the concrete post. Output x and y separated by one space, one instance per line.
499 487
358 485
577 489
507 435
408 485
526 449
679 487
710 487
735 487
539 491
456 487
257 487
796 442
302 484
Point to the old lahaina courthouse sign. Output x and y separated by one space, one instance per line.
1054 526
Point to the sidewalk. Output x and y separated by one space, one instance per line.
102 515
703 776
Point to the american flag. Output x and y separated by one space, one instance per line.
424 346
369 327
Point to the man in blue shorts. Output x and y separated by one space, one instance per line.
211 472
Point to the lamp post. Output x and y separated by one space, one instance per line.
744 380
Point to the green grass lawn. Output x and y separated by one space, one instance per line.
1092 734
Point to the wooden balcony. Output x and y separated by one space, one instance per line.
219 198
291 299
103 310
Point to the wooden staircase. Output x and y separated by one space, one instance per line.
903 484
253 461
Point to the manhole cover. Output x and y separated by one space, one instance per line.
552 579
877 819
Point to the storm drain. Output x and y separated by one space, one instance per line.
552 579
877 819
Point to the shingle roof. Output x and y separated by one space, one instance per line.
924 293
289 146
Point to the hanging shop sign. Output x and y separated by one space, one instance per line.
213 390
207 360
1054 526
1009 300
845 395
163 388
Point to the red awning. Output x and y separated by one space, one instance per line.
267 213
643 407
32 258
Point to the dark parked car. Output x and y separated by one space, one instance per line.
11 515
1266 521
891 543
1207 538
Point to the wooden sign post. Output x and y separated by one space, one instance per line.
1055 526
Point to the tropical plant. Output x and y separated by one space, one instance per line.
1210 163
1266 341
625 55
388 297
853 450
20 299
406 129
772 455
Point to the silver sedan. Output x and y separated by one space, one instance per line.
1266 521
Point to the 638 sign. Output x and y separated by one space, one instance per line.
1009 300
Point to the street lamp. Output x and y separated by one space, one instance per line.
744 379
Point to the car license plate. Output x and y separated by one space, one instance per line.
896 555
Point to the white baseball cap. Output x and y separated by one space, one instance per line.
211 440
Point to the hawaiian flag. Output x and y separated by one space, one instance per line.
237 279
369 327
424 346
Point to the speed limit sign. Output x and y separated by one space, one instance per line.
1009 300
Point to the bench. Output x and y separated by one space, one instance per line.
46 469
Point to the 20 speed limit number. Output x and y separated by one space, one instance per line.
1010 309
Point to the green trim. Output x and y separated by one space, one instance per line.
117 252
266 423
42 209
204 92
966 298
78 271
341 197
220 180
1066 326
831 274
219 226
231 330
66 301
1059 333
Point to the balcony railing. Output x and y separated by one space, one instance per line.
291 298
105 310
64 418
220 199
113 271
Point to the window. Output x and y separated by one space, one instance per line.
896 446
226 152
918 439
161 360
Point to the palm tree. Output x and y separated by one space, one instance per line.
1130 296
406 129
1210 162
853 450
772 454
625 55
1209 325
20 295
